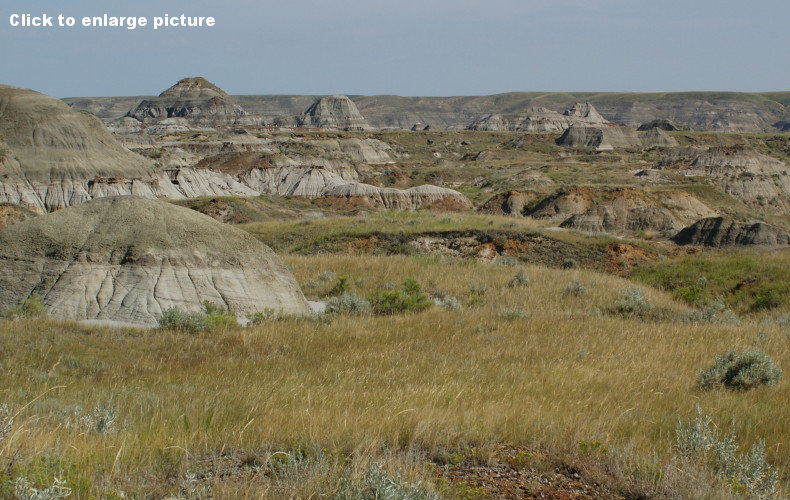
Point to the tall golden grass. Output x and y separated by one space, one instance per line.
430 381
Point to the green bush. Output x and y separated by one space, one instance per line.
176 319
740 370
768 299
347 303
33 307
408 298
218 317
339 288
213 317
261 317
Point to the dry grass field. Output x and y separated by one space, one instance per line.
302 407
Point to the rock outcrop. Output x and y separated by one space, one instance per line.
358 195
197 101
712 111
758 180
723 232
662 124
585 112
53 156
609 136
509 203
128 259
537 119
621 211
336 112
602 138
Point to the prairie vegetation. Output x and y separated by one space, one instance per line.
346 404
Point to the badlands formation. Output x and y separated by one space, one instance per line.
195 140
55 157
128 259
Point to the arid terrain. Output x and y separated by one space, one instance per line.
522 295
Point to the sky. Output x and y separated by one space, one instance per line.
406 47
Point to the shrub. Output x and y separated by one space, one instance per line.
449 303
377 483
768 299
569 263
218 317
347 303
698 441
7 417
339 288
26 491
213 317
519 280
326 276
33 307
408 298
478 289
261 317
715 312
512 313
575 288
176 319
633 302
740 370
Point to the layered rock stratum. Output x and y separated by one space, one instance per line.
609 136
712 111
192 102
538 119
723 232
54 156
336 112
128 259
621 211
757 180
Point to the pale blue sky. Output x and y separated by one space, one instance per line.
408 47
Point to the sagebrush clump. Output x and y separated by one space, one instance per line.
347 303
699 443
740 370
519 280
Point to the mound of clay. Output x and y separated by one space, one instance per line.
50 153
755 179
722 232
606 137
662 124
10 214
127 259
356 194
199 101
602 138
621 211
537 119
336 112
586 112
510 203
657 138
